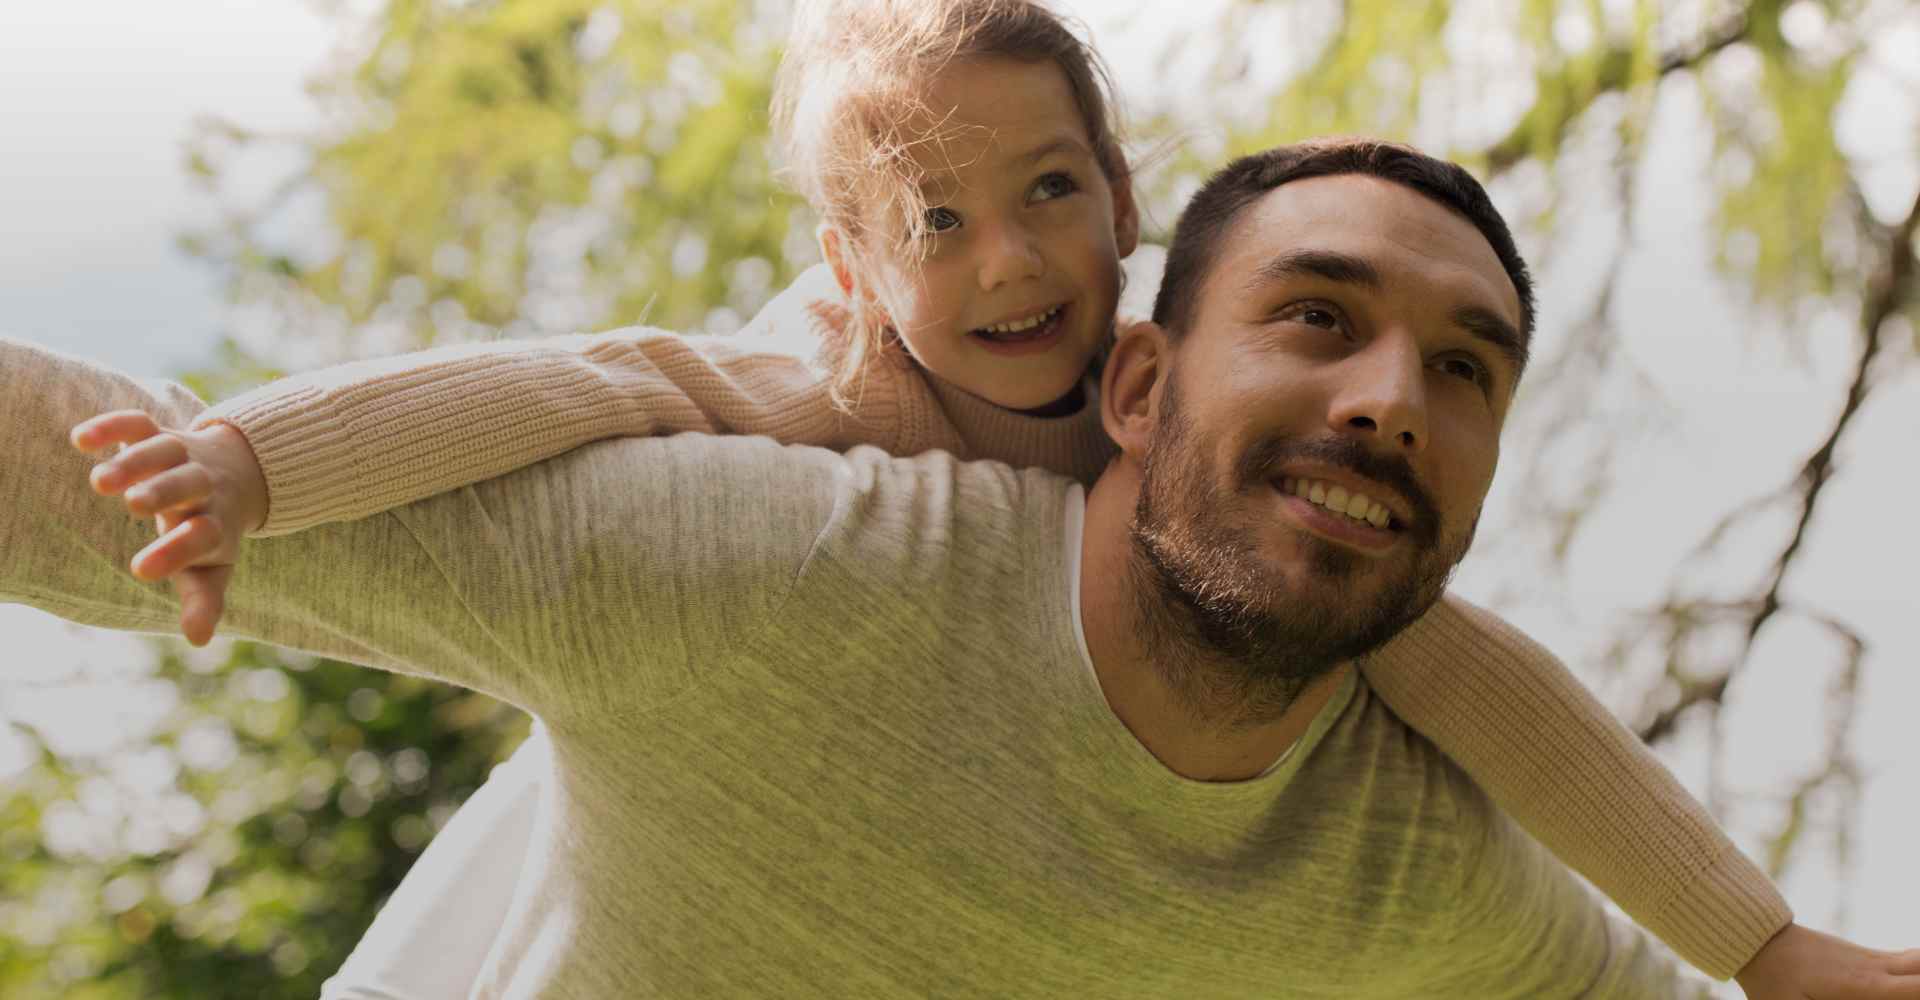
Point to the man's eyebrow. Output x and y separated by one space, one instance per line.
1490 326
1328 265
1346 269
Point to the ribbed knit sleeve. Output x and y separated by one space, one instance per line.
353 440
1532 736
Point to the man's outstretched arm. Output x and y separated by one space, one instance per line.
68 548
560 587
1541 933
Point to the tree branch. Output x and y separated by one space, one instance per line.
1888 291
1615 72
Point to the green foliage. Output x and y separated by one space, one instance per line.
284 798
1784 184
1776 220
492 160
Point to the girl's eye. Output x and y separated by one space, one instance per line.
1054 185
939 220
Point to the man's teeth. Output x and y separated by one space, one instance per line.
1020 325
1358 506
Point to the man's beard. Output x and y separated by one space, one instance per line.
1235 637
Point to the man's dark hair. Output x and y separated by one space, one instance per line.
1204 224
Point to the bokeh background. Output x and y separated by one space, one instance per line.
1705 504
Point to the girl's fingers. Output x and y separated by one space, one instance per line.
202 601
151 455
170 490
177 548
117 427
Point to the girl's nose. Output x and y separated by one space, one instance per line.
1010 254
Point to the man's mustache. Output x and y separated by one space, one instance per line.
1262 463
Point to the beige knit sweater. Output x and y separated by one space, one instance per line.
354 440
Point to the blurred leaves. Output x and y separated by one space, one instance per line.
240 848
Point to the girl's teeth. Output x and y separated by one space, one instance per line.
1021 325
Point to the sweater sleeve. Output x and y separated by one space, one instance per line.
1549 754
345 442
579 586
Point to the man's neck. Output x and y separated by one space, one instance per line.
1203 742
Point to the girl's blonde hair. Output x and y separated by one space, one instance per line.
848 112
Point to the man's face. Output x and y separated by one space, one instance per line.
1347 342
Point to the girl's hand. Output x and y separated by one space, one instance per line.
203 487
1802 964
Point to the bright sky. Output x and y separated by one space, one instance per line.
95 102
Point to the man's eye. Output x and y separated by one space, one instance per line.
939 220
1318 313
1054 185
1324 317
1466 368
1320 317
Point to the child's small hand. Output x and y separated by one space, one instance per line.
205 489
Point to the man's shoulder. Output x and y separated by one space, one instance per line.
1407 776
863 485
865 467
1411 781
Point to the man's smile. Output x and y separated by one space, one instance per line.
1340 515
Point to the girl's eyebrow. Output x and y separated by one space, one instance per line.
1064 142
1061 143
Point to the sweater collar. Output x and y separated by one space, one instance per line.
1075 443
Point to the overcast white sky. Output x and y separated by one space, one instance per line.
95 102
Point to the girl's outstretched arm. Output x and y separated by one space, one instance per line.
1510 713
345 442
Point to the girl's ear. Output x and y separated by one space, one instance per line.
1130 386
1126 215
833 249
860 294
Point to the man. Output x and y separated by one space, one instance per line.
834 725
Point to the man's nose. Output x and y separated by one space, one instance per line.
1381 396
1009 253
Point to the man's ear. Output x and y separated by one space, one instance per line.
1130 385
1126 215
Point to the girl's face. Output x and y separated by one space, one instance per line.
1017 291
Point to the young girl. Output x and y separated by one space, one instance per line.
973 268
